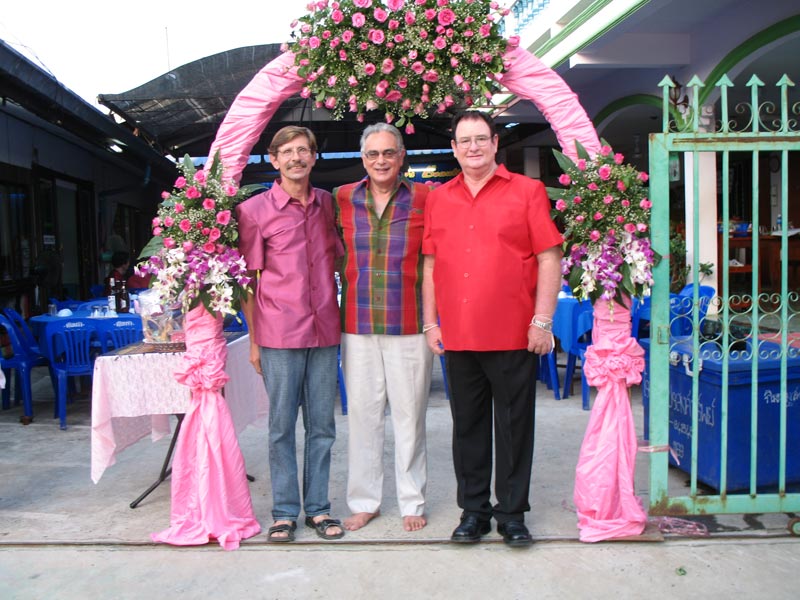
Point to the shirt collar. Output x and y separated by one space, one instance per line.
282 197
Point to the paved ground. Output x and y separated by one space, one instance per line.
63 537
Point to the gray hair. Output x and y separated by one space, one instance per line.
378 127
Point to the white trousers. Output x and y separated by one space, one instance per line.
377 369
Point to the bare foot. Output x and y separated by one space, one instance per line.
358 520
412 523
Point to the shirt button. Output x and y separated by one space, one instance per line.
468 250
466 274
472 226
378 274
465 300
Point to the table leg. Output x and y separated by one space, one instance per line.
166 469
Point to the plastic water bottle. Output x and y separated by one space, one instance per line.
779 222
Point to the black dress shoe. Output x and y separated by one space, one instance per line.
515 533
470 530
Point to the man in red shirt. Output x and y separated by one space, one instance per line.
288 238
491 278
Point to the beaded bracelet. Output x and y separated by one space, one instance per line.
427 328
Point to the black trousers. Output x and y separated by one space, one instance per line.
484 385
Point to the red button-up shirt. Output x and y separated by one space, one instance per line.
485 249
295 249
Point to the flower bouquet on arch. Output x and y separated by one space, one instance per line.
399 56
192 257
608 259
605 211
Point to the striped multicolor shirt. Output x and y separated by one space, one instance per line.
382 272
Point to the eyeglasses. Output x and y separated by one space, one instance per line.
302 152
480 141
389 154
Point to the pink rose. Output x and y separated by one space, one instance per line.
594 235
180 182
645 204
214 234
431 76
358 20
376 36
394 96
579 219
446 17
642 176
593 186
630 227
369 69
156 222
169 221
564 179
604 172
620 219
621 186
362 3
165 195
330 102
626 203
380 15
209 247
395 5
410 18
439 43
347 35
230 190
430 14
560 204
410 129
598 216
209 204
430 57
605 150
187 245
641 227
608 199
577 200
343 57
387 66
200 177
169 242
206 230
352 81
581 164
224 217
198 225
418 68
314 42
485 30
337 16
618 158
179 207
185 225
157 230
457 49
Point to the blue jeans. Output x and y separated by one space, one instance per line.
300 377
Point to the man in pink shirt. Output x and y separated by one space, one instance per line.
289 240
491 278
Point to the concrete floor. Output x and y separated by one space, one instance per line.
61 536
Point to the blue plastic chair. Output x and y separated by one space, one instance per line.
584 320
70 349
640 311
22 363
340 377
24 332
232 324
705 294
117 333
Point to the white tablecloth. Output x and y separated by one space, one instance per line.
135 394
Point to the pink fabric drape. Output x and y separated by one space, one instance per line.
529 78
251 111
604 495
210 492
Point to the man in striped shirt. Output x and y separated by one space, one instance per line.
384 354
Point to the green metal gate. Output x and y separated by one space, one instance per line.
724 391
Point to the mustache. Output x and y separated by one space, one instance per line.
297 163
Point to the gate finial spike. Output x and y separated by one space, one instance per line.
723 83
784 83
754 83
695 83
